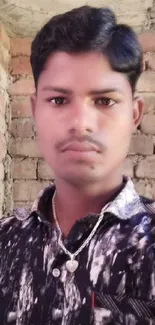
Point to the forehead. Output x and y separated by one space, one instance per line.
81 71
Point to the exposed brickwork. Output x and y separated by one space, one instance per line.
149 102
21 107
146 168
20 46
27 190
4 113
148 124
23 128
21 204
24 168
22 87
2 190
20 65
24 148
147 41
44 171
146 82
150 64
145 188
128 168
141 145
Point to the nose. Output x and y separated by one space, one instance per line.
82 119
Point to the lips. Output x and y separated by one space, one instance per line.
80 146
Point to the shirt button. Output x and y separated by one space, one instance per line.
56 273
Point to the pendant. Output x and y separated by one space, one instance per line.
72 265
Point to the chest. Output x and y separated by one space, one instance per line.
37 288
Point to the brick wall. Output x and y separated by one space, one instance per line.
25 171
143 143
4 113
28 169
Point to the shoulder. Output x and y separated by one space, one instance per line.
15 221
148 204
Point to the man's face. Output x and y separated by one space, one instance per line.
84 115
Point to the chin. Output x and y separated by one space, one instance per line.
81 179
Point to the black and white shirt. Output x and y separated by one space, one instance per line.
114 283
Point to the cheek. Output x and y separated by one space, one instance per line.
123 122
44 125
120 131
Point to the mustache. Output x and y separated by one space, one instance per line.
85 138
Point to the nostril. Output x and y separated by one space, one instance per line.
80 131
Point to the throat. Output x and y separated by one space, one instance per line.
65 225
67 209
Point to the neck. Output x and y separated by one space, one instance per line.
73 204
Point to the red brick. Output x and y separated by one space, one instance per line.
143 188
148 124
131 18
20 46
141 144
24 168
22 87
1 196
149 102
22 204
153 192
22 128
21 107
152 12
20 65
2 147
144 62
128 168
27 190
146 168
25 148
146 82
44 171
147 41
4 39
150 64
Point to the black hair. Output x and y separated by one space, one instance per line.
87 29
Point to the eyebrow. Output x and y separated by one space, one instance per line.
91 92
105 91
57 89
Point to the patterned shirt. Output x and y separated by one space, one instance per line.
114 283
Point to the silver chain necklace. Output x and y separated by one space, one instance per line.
72 263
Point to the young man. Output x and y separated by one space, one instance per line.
84 253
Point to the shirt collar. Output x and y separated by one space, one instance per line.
126 204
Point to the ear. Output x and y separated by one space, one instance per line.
138 111
33 100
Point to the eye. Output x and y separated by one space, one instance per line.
104 101
57 101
